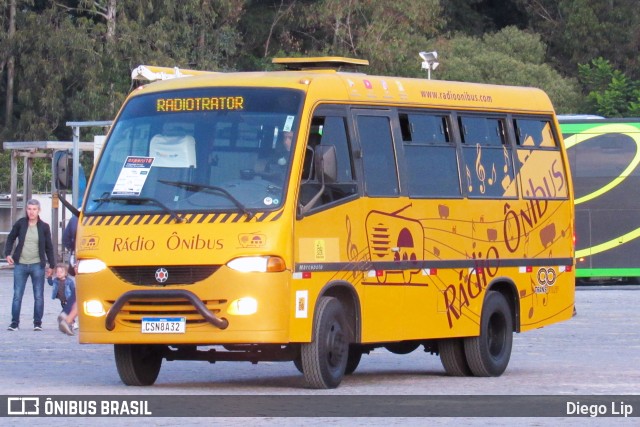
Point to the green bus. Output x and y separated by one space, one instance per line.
604 155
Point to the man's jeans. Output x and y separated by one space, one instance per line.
20 274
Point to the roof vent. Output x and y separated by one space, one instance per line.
318 63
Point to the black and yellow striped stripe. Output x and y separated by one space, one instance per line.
198 218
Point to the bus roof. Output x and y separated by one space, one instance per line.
321 79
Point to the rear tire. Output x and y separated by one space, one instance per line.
138 364
324 359
488 354
453 358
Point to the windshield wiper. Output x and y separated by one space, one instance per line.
198 187
156 202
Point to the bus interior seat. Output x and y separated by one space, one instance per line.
174 160
177 151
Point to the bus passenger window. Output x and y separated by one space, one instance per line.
539 159
482 130
534 133
380 171
432 171
424 128
430 158
488 167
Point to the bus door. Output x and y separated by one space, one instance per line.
327 240
391 236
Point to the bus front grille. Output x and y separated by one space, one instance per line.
164 275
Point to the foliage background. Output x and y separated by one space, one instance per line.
70 60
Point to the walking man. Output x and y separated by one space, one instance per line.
29 258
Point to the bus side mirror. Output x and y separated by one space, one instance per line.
325 162
63 170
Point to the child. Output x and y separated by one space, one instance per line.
68 316
64 289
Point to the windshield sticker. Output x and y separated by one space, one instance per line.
173 105
132 176
288 124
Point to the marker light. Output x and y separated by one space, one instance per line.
257 264
243 306
90 266
94 308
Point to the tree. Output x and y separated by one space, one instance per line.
388 34
283 11
578 31
610 92
510 56
8 60
477 17
190 34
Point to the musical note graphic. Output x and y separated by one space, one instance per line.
352 249
473 230
493 174
525 247
480 173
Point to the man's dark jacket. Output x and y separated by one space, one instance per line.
45 245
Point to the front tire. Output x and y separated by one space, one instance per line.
138 364
324 359
488 354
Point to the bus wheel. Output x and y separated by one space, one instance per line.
324 360
488 354
297 362
453 358
138 364
353 360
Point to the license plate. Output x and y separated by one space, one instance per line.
164 325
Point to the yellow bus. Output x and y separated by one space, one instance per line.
315 214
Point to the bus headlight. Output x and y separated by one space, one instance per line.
257 264
90 266
94 308
243 306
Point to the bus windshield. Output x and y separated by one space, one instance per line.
196 150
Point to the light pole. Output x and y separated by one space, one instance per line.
430 62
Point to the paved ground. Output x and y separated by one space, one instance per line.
595 353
